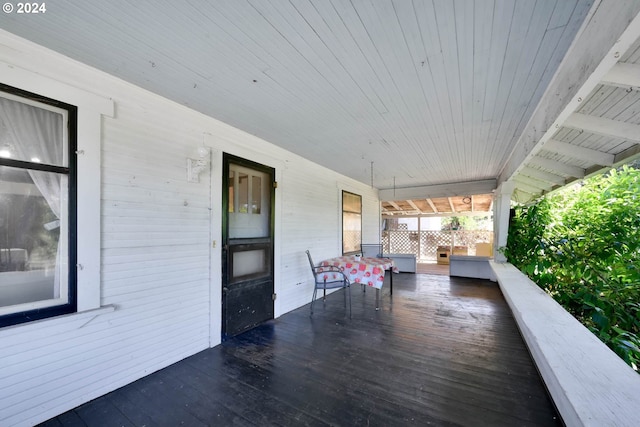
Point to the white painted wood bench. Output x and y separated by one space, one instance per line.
590 385
406 263
471 266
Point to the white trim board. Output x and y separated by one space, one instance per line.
590 385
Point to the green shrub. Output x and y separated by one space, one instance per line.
582 246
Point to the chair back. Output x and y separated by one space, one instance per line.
313 266
371 250
330 277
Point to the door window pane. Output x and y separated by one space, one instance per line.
243 193
232 200
251 190
249 263
256 194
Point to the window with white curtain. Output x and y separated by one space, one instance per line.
37 207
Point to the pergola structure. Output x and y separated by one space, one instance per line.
475 204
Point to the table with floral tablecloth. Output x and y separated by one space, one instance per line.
364 270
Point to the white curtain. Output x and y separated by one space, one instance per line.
31 132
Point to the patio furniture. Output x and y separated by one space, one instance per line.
370 250
364 270
406 263
329 277
373 250
476 267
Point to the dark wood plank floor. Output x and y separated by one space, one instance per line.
443 351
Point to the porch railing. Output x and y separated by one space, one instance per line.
424 244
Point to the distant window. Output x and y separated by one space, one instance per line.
37 207
351 222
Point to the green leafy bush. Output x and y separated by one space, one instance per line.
582 246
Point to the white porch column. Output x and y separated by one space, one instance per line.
501 206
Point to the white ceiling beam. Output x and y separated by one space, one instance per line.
442 214
604 127
526 187
394 204
557 166
439 190
543 175
413 205
606 35
582 153
535 183
433 207
623 75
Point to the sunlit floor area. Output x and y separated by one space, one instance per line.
433 268
441 351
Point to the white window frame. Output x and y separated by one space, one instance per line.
64 216
91 110
342 221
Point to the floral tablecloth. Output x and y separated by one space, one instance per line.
368 271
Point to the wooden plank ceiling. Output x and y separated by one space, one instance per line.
477 204
600 129
392 93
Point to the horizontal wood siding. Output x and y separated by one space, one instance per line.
156 231
311 219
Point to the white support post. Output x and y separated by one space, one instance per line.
501 206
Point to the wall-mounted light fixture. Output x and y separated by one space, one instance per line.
196 166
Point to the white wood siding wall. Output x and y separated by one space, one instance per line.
156 231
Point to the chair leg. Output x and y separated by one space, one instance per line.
315 292
344 288
349 290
